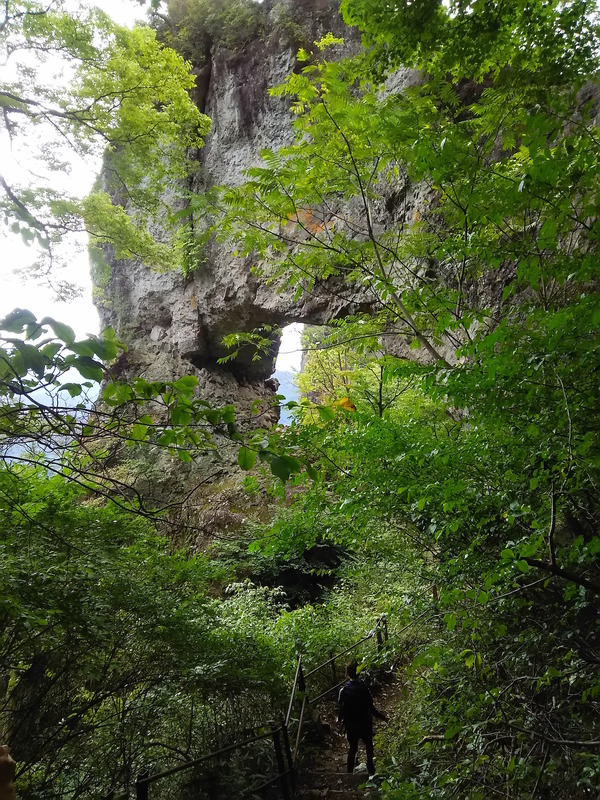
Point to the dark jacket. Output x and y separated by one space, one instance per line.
356 708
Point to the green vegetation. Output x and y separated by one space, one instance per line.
459 494
110 97
194 27
463 209
358 368
114 655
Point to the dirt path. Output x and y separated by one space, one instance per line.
322 768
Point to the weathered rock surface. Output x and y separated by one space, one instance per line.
173 324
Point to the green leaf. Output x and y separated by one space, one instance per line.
139 432
186 384
83 348
294 464
452 731
167 438
180 416
16 321
246 458
105 350
547 234
326 413
31 357
312 473
88 368
214 417
233 432
228 414
279 467
450 619
50 350
74 389
62 331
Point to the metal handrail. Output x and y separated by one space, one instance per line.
145 780
381 623
264 785
148 779
299 733
370 635
298 680
328 691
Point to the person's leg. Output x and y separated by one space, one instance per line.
352 750
368 740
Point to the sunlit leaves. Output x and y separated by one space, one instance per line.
547 41
35 358
117 92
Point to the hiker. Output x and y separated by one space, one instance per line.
356 712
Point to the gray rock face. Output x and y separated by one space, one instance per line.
173 324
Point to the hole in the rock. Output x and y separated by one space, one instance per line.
288 365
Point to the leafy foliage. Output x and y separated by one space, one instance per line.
194 27
113 655
460 215
115 100
545 43
463 210
348 368
48 385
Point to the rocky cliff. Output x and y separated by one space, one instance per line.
174 324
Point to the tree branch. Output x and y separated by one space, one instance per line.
31 220
565 574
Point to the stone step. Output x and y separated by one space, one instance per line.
321 784
333 794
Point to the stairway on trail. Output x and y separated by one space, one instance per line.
322 769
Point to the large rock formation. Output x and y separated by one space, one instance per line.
174 324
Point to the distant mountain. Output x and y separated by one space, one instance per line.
288 388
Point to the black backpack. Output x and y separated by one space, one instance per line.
355 704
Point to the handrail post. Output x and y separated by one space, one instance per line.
285 789
141 789
300 684
288 754
299 733
379 636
